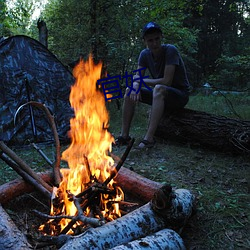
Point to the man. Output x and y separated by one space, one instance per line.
169 82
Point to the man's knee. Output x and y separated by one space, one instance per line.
159 91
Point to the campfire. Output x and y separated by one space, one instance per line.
87 188
87 198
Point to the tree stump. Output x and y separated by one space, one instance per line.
43 32
212 131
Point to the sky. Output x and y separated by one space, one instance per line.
38 3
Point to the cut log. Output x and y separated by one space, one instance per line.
163 239
10 237
212 131
150 218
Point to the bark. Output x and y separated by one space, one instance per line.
150 218
163 239
140 187
18 187
10 237
212 131
136 185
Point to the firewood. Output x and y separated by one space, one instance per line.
13 156
132 183
10 237
136 185
161 240
18 187
150 218
26 176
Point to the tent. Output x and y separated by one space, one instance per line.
30 72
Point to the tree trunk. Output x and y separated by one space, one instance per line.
212 131
43 32
10 237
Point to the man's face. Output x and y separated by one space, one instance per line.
153 40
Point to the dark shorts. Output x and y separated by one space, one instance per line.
174 100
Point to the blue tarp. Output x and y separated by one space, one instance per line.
29 71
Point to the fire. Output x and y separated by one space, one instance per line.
88 155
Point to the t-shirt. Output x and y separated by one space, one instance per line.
171 56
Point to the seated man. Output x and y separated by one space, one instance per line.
169 82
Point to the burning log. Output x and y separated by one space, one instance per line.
140 187
216 132
163 239
165 210
10 237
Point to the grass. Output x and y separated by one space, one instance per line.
219 180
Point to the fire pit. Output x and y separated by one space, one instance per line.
86 197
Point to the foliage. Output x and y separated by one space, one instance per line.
223 31
232 72
212 36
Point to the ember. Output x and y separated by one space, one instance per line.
87 188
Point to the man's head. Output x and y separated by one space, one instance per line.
150 28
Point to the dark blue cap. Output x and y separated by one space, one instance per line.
150 26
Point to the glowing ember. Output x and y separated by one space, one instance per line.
88 155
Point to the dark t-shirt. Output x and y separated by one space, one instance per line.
171 56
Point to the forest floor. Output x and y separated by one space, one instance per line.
219 180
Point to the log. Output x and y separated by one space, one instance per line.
136 185
18 187
10 237
161 240
211 131
150 218
131 182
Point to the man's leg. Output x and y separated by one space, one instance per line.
128 110
156 113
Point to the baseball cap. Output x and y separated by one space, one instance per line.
150 26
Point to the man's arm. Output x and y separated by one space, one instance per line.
166 80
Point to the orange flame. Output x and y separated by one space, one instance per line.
88 155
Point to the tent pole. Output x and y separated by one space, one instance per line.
33 125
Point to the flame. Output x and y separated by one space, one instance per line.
88 155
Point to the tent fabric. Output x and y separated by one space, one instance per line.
30 72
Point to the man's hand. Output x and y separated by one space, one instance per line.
133 96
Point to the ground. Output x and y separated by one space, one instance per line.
219 180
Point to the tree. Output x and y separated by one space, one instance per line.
223 32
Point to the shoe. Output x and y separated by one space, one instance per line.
146 144
121 141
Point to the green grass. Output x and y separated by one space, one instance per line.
233 106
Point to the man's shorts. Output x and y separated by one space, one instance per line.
175 99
